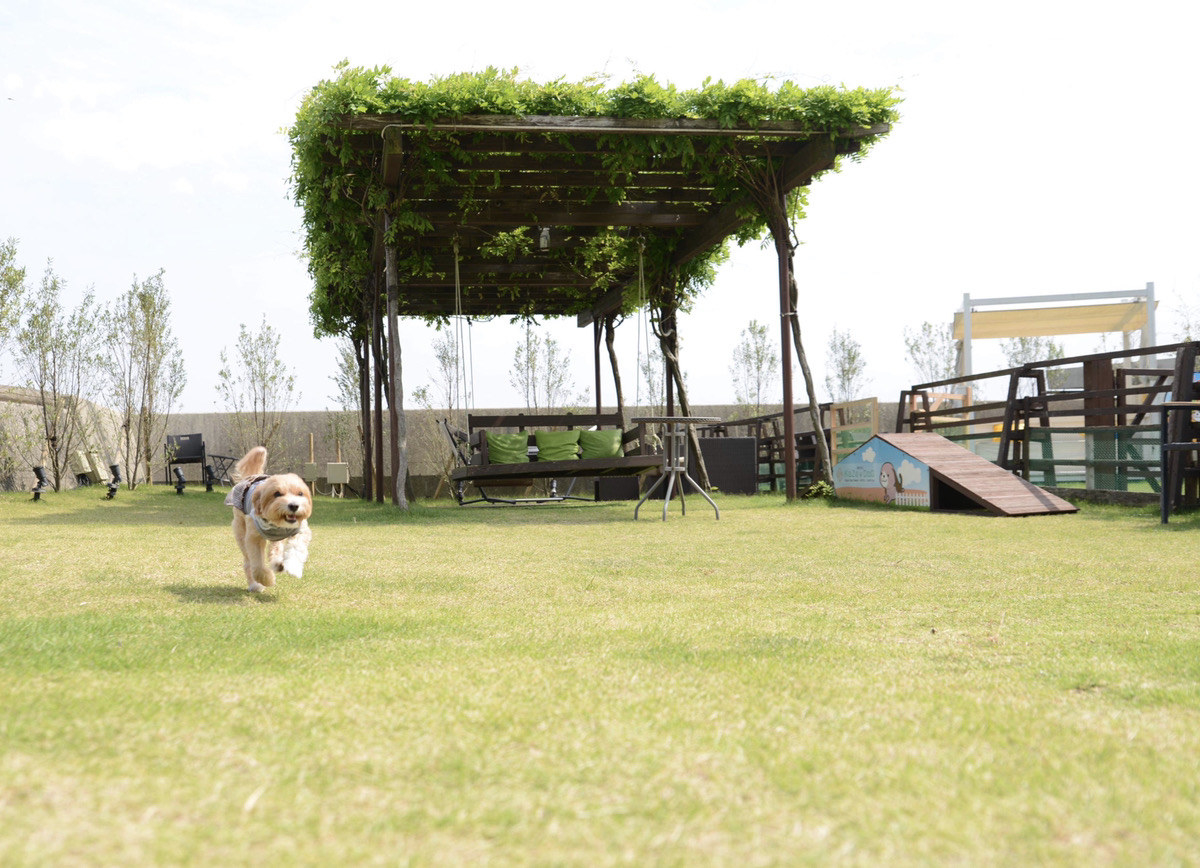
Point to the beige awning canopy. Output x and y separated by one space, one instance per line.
1052 321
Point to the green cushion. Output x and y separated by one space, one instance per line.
507 448
600 444
557 445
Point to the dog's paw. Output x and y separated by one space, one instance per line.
293 567
254 587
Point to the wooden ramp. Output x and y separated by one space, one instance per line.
961 479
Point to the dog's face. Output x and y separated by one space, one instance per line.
283 500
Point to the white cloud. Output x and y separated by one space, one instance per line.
910 473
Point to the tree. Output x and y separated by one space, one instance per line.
12 297
347 395
57 356
846 376
541 371
1024 350
1189 322
652 369
347 392
932 351
144 372
12 290
755 367
443 393
257 387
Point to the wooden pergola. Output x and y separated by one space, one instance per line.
563 182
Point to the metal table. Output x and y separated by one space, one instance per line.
675 460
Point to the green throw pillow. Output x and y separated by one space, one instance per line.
557 445
600 444
507 448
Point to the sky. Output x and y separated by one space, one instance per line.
1043 147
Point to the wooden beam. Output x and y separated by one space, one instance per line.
511 281
577 177
816 156
612 300
605 126
558 214
514 196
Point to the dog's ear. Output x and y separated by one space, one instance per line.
262 495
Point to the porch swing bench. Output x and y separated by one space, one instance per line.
542 448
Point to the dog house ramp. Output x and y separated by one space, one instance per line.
927 470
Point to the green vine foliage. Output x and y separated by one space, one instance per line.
336 181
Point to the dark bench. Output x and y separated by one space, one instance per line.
184 449
476 464
190 449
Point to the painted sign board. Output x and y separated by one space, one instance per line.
878 471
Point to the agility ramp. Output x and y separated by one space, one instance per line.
927 470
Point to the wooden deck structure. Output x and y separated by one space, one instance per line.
1101 429
960 479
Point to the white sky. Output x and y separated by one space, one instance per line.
1043 147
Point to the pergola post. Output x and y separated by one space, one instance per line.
377 359
783 255
399 433
596 336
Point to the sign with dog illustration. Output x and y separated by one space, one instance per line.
926 470
880 472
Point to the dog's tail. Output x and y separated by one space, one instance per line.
253 463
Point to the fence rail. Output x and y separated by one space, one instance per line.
1086 421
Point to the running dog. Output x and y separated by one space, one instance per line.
270 520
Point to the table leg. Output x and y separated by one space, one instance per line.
646 496
702 494
670 488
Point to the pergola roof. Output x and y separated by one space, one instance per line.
564 180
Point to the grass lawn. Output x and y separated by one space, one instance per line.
803 683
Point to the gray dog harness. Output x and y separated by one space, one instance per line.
242 499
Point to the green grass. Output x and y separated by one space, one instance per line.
803 683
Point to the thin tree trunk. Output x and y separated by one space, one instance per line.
610 330
824 465
399 432
362 351
377 358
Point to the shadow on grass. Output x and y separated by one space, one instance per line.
79 507
222 595
872 506
161 507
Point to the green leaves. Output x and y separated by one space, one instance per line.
335 177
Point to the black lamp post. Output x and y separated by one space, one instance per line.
210 477
42 482
115 482
180 482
